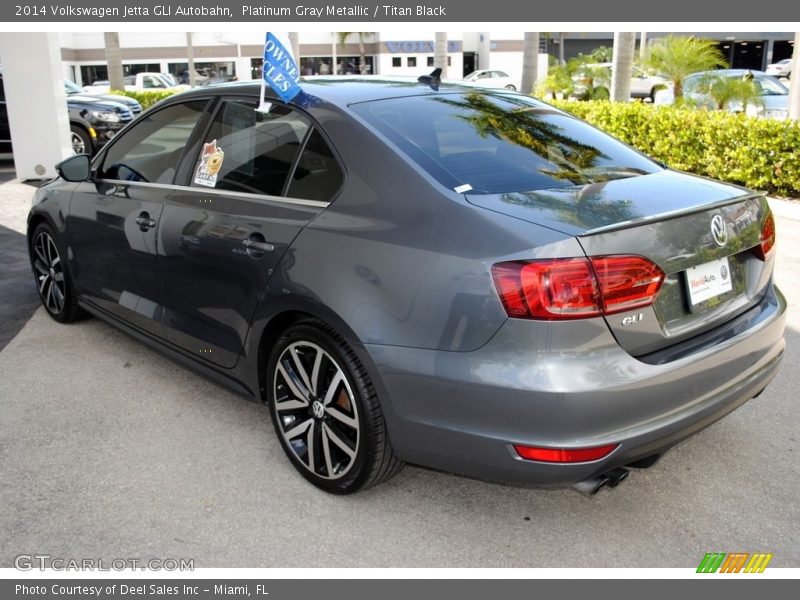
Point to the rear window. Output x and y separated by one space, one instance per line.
497 144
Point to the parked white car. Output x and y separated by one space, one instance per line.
493 78
138 83
643 85
782 68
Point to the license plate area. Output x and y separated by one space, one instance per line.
708 283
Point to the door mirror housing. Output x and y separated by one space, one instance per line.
75 168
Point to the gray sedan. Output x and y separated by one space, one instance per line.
410 271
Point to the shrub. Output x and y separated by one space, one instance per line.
763 154
147 99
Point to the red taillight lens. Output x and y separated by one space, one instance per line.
767 247
576 288
627 282
565 455
548 289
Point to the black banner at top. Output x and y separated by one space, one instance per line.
473 11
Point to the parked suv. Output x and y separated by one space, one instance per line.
93 120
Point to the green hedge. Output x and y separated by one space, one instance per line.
761 154
147 99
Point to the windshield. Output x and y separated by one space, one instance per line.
71 88
769 86
498 143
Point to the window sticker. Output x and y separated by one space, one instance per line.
210 164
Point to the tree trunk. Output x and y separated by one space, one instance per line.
114 61
294 41
530 62
440 53
362 60
561 59
794 93
622 66
190 60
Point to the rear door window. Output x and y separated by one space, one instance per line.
249 151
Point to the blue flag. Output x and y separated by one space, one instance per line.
280 69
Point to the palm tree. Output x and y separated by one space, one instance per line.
622 65
530 62
190 60
725 91
114 62
440 53
794 93
676 56
362 64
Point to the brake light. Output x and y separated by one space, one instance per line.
576 288
565 455
767 246
627 282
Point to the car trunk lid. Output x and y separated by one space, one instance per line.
668 218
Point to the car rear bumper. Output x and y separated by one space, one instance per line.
566 385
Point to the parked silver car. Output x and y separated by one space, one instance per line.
773 95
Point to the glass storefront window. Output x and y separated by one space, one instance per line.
322 65
207 73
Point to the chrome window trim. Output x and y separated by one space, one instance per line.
202 190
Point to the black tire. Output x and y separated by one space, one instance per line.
81 140
511 88
315 449
52 276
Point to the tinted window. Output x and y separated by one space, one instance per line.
150 151
500 143
317 175
249 151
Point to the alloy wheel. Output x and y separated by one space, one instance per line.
316 410
78 145
49 272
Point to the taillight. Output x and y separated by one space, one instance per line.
767 245
627 282
576 288
565 455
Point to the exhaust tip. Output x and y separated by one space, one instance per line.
610 479
591 486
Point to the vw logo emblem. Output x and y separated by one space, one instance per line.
318 409
719 231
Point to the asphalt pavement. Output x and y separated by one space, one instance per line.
109 450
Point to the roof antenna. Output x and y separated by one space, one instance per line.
433 80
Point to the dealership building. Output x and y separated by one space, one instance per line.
228 55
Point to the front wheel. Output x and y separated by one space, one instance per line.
326 412
81 140
511 88
52 275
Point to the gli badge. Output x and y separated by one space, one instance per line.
632 319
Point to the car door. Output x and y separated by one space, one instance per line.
258 180
114 218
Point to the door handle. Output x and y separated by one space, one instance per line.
257 246
254 245
145 222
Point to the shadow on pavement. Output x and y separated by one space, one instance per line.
18 297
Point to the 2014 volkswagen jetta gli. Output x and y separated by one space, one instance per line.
458 278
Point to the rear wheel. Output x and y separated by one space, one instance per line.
326 413
53 278
511 87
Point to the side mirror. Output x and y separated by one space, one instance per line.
75 168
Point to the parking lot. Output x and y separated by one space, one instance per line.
109 450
